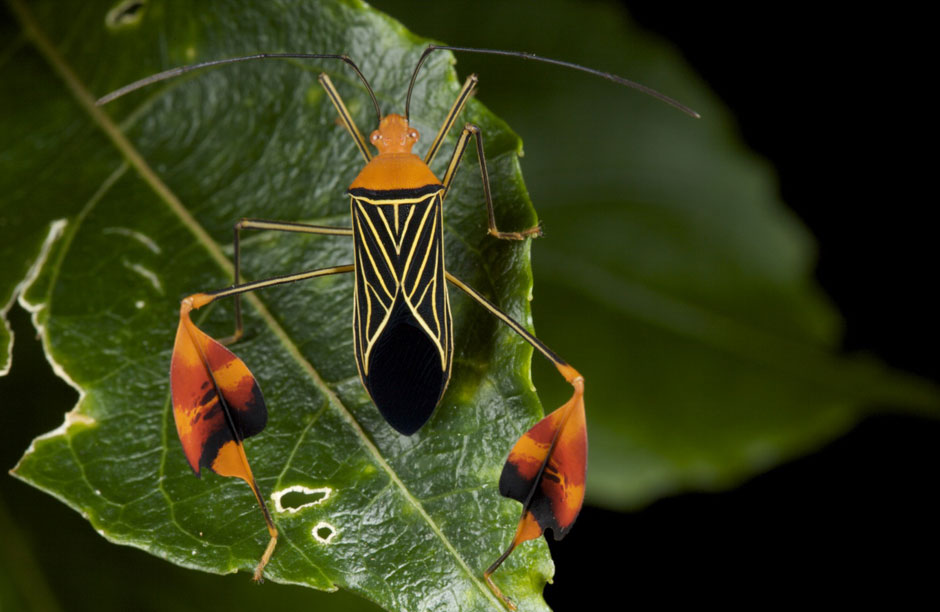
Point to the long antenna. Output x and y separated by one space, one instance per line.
531 56
173 72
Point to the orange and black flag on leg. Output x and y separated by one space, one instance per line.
546 471
216 403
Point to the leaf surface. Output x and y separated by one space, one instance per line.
130 207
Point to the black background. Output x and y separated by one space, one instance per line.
833 100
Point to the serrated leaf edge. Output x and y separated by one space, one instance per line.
56 229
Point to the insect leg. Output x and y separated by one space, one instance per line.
452 170
468 88
280 226
217 402
344 115
546 468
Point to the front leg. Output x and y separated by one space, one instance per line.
452 170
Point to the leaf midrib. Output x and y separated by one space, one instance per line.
87 102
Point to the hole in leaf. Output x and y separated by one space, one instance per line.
292 499
124 14
296 499
323 532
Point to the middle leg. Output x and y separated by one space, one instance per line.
279 226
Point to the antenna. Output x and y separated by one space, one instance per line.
531 56
174 72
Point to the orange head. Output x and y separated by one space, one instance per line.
394 135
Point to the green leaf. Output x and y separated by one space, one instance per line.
122 211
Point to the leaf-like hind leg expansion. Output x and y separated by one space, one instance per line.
487 192
277 226
217 402
546 468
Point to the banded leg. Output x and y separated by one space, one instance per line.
279 226
452 170
217 402
546 468
466 91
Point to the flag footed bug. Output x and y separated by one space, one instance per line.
402 325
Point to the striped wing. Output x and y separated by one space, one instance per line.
401 315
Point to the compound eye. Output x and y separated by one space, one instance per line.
413 134
375 137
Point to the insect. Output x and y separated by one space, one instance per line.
402 325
